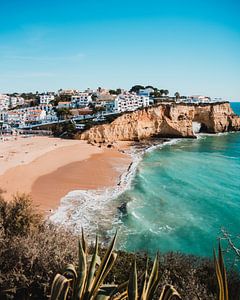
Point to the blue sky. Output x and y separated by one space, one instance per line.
188 46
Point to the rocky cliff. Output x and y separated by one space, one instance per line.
165 120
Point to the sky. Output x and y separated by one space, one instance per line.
189 46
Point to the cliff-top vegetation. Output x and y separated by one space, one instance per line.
33 251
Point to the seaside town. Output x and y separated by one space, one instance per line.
120 150
30 110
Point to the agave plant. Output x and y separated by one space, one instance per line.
149 285
221 274
86 283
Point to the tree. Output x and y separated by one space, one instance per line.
177 95
115 92
118 91
166 92
136 88
94 97
112 92
63 113
150 87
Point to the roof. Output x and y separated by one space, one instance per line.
81 111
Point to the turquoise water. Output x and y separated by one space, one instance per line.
182 195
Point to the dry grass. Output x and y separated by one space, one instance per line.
32 252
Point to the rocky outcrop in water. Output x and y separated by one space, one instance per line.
165 120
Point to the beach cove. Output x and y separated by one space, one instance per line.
162 196
177 196
48 168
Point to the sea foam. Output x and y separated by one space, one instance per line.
96 210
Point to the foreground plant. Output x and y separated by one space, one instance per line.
149 285
221 273
87 282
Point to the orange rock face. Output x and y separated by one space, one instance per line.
165 120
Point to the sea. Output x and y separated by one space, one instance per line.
180 197
183 195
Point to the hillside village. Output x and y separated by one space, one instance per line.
28 110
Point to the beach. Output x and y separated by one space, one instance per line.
49 168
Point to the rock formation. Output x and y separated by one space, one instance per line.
165 120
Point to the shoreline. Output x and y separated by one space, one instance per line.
79 208
99 171
72 192
37 165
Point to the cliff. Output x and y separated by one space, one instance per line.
165 120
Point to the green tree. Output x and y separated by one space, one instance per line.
166 92
177 95
63 113
136 88
112 92
149 87
118 91
162 92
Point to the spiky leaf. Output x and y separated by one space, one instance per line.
133 285
102 267
82 273
60 287
169 293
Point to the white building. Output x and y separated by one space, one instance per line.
26 115
81 100
199 99
46 98
4 102
16 101
7 102
130 102
3 116
69 92
145 92
64 104
35 115
16 117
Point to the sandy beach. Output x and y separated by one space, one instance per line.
48 168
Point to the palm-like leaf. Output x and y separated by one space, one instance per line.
221 274
86 283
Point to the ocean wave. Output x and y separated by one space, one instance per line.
96 210
159 146
162 229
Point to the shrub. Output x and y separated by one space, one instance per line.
33 251
18 216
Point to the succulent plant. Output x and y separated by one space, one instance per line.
221 274
149 284
87 282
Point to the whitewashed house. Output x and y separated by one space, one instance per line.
35 115
46 98
26 115
3 116
4 102
16 101
64 104
145 92
81 100
130 102
16 117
